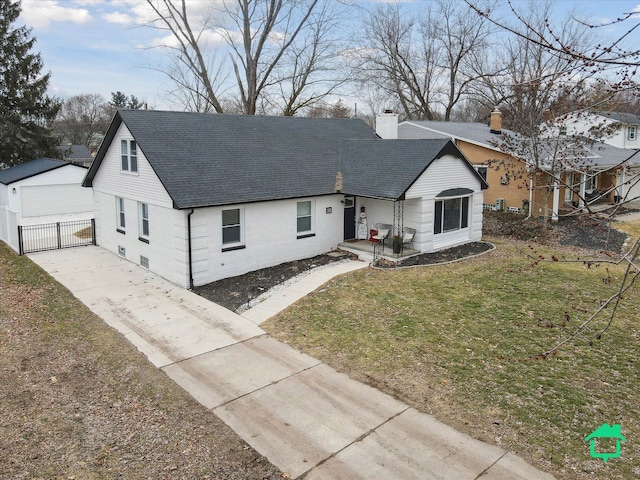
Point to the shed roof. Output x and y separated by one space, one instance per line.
26 170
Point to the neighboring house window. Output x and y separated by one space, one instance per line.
304 218
451 214
591 182
563 130
120 213
129 156
231 227
482 170
632 133
144 221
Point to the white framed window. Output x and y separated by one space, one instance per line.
451 214
232 229
120 216
304 218
632 133
591 181
144 220
128 156
563 130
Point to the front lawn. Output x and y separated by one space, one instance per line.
463 341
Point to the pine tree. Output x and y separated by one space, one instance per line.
26 112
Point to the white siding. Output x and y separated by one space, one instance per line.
166 249
582 123
269 233
143 186
55 200
55 192
378 211
445 173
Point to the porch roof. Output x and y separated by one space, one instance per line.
387 169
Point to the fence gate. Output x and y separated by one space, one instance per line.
54 236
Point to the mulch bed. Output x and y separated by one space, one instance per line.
235 292
585 232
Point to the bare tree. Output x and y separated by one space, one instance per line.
190 70
554 71
82 116
427 63
463 41
309 71
268 53
399 60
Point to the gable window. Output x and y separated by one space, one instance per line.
451 214
144 221
128 156
120 217
304 219
232 229
632 133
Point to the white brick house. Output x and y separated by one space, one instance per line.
200 197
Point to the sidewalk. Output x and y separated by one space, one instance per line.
305 417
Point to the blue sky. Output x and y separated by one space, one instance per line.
95 46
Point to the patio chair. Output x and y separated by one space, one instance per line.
407 236
383 233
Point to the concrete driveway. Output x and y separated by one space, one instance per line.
305 417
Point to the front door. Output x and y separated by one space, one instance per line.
349 218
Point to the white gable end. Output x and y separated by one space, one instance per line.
443 174
143 186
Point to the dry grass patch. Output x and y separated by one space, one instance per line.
78 401
460 341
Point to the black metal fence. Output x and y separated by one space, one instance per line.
54 236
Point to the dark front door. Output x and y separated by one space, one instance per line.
349 218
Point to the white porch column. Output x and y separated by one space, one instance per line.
556 200
622 183
583 189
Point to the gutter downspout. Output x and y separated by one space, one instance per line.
189 248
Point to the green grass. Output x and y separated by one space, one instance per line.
462 341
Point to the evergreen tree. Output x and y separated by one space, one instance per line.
120 100
26 112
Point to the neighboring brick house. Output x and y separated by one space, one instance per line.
512 186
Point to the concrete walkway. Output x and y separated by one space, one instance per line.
305 417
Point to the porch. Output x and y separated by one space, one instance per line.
372 250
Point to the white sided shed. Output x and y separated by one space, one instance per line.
41 191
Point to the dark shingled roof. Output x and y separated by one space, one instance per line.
29 169
622 117
74 152
210 159
387 168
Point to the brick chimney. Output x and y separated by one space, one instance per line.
387 125
495 125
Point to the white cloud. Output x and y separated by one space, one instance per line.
40 13
119 18
88 2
